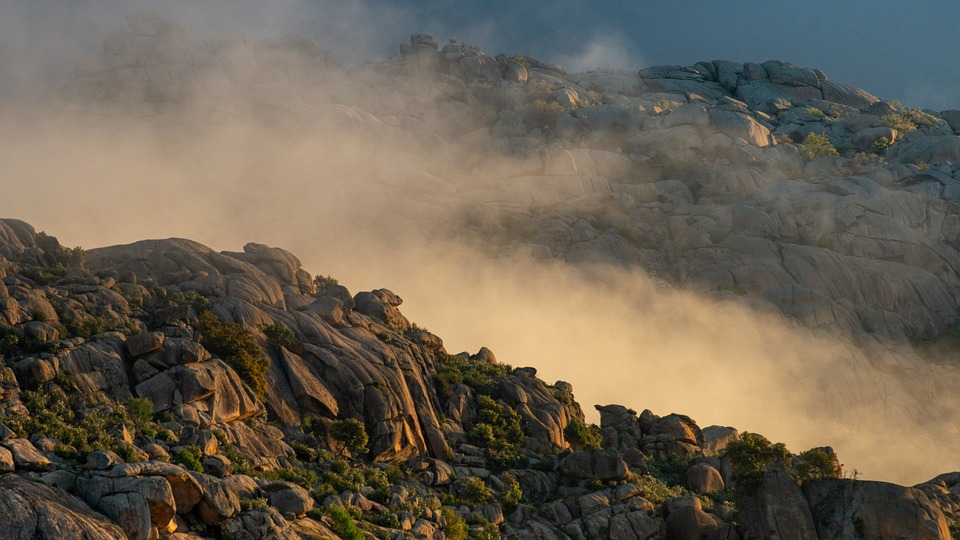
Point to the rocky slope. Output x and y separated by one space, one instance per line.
133 406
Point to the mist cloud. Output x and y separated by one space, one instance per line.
605 51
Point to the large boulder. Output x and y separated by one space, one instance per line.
218 503
776 509
600 464
859 509
741 126
34 511
702 478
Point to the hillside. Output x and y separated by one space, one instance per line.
162 389
743 239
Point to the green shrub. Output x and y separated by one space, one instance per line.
880 146
817 144
582 436
237 347
189 458
906 119
817 463
512 494
68 420
671 470
481 376
752 455
250 504
324 282
475 492
44 275
499 432
141 410
456 526
279 335
351 434
390 521
655 490
343 524
813 111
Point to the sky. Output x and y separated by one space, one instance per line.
881 46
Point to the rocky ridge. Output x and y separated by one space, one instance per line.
123 415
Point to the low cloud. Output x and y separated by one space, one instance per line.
607 51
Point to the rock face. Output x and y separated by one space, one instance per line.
875 509
33 510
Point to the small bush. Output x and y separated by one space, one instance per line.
813 111
672 471
880 146
250 504
511 496
906 120
655 490
237 347
279 335
189 458
499 432
817 144
66 419
324 282
343 524
351 434
456 526
141 409
582 436
753 455
817 463
475 492
481 376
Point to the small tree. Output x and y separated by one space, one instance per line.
753 455
279 335
351 434
582 436
474 492
817 463
818 144
324 282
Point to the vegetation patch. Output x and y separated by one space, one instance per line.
816 145
582 436
753 455
279 335
481 376
78 431
237 347
906 119
499 432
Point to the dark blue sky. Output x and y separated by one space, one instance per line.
892 49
